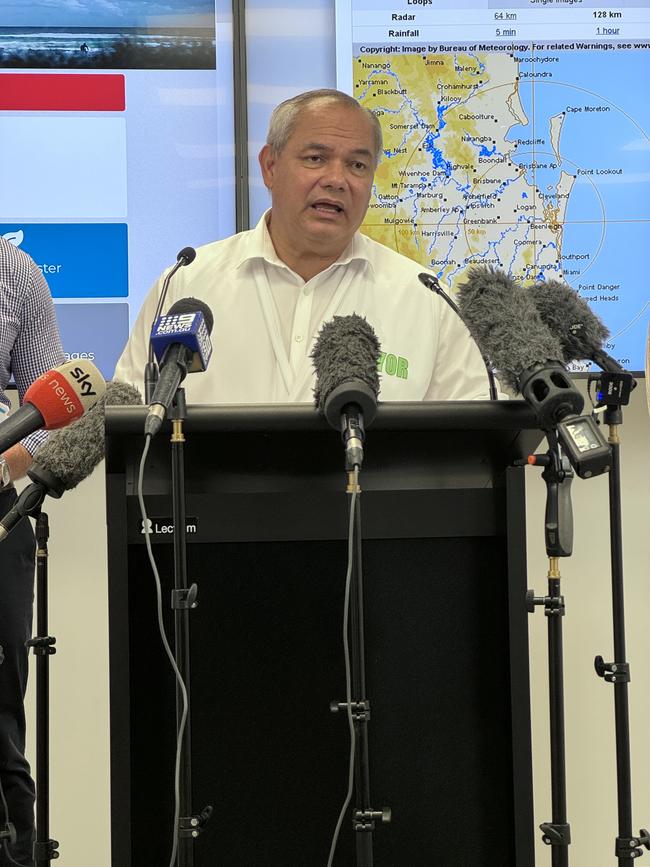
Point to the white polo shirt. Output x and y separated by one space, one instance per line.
266 319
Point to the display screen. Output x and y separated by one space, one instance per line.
582 436
117 141
515 135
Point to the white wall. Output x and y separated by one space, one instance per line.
79 680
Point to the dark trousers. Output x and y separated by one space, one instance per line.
16 603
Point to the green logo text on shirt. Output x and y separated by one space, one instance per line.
393 365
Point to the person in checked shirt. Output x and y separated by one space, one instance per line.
29 345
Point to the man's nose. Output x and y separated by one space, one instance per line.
334 175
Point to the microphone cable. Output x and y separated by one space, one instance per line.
163 637
348 674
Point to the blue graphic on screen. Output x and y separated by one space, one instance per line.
103 199
145 34
96 332
78 260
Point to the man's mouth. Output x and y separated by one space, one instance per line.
328 207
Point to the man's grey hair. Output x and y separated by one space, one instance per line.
285 117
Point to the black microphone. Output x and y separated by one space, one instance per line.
182 338
503 320
345 358
69 455
433 284
185 257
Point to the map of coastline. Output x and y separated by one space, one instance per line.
490 158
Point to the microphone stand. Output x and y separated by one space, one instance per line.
614 393
183 601
363 816
45 849
185 257
558 535
433 284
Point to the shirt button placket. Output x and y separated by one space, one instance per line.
302 316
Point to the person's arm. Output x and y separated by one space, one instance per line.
19 460
37 348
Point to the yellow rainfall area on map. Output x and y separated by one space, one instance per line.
446 192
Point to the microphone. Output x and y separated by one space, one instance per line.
185 257
69 455
503 320
345 358
570 318
56 398
433 284
581 334
181 341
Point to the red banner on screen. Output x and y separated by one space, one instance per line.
27 91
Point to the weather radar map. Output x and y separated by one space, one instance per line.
514 137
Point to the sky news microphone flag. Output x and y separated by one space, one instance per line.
69 456
55 399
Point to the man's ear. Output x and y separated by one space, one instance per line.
267 164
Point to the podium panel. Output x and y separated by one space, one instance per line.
445 628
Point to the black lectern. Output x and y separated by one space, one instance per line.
446 635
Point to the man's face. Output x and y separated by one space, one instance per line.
321 181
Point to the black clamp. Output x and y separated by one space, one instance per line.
364 820
42 647
360 709
552 604
612 672
628 847
554 834
192 826
8 832
46 851
185 599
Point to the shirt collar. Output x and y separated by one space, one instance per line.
260 246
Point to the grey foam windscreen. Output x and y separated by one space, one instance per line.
580 332
503 320
72 453
193 305
346 350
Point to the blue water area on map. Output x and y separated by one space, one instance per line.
438 161
612 137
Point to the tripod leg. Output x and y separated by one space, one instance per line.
364 840
555 612
621 679
45 849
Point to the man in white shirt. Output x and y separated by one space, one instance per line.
271 288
